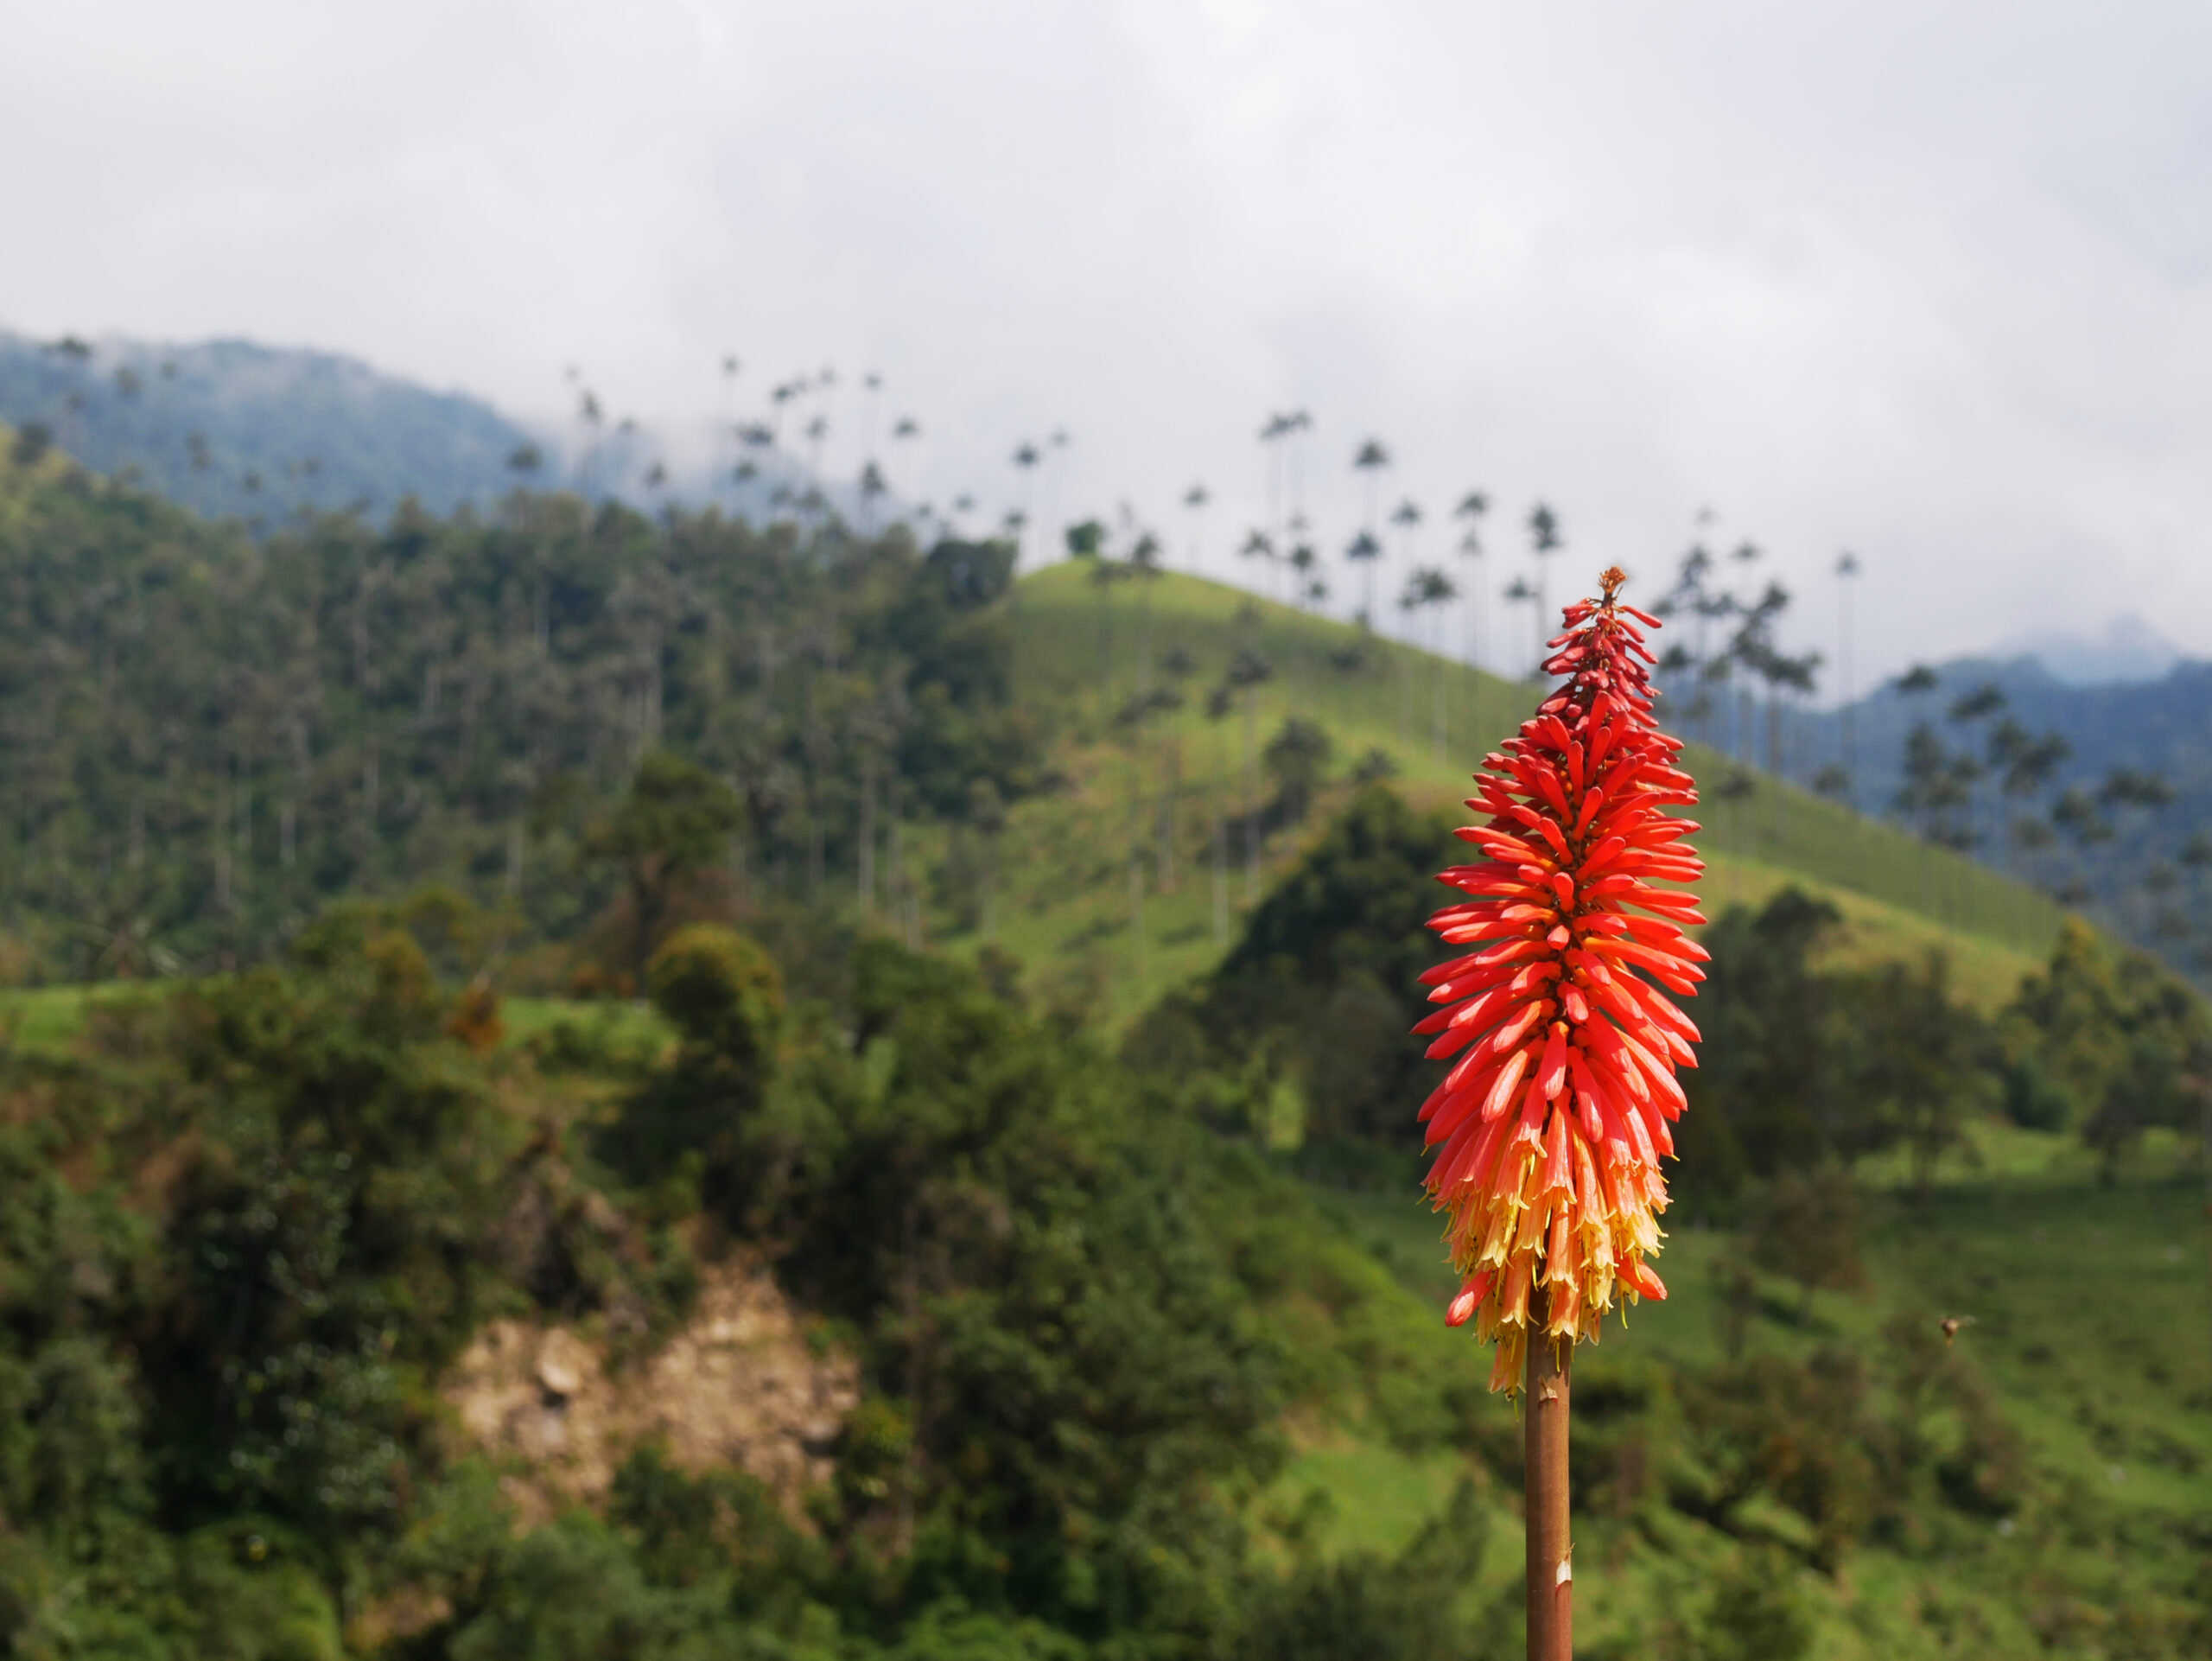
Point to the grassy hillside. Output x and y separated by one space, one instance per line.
1135 877
2079 1343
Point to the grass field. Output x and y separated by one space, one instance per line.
2091 1328
49 1018
1124 884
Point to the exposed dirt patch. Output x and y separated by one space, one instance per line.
739 1385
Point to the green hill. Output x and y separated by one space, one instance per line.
1134 877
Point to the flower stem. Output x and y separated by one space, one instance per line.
1551 1586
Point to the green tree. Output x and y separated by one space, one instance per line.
1326 977
2113 1036
1919 1057
1297 759
1806 1229
724 995
676 819
1768 1097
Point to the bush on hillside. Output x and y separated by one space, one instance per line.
1325 981
2107 1042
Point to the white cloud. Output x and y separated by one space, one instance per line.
1928 282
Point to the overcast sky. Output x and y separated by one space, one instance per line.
1928 282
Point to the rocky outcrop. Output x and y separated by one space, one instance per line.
739 1384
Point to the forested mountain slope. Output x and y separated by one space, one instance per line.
210 735
2118 818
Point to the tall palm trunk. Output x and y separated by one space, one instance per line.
1251 796
1436 680
1220 873
867 850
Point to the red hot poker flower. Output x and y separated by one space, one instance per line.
1549 1128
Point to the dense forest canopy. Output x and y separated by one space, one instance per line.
211 735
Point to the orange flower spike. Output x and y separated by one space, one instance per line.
1549 1128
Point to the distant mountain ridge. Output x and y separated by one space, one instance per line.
2127 649
2146 870
234 429
2162 724
231 429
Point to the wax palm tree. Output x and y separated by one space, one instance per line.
1434 590
823 388
1409 601
1518 592
1144 568
626 437
1405 519
818 436
2125 789
76 356
782 393
1969 710
1087 543
1257 544
1303 559
1683 659
1194 503
1275 434
1543 542
1051 471
1300 423
1917 682
1846 574
1469 512
1248 672
907 431
2025 764
1711 604
1921 761
1362 552
1370 461
1740 650
782 399
1025 457
594 418
873 487
725 461
1789 680
123 941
